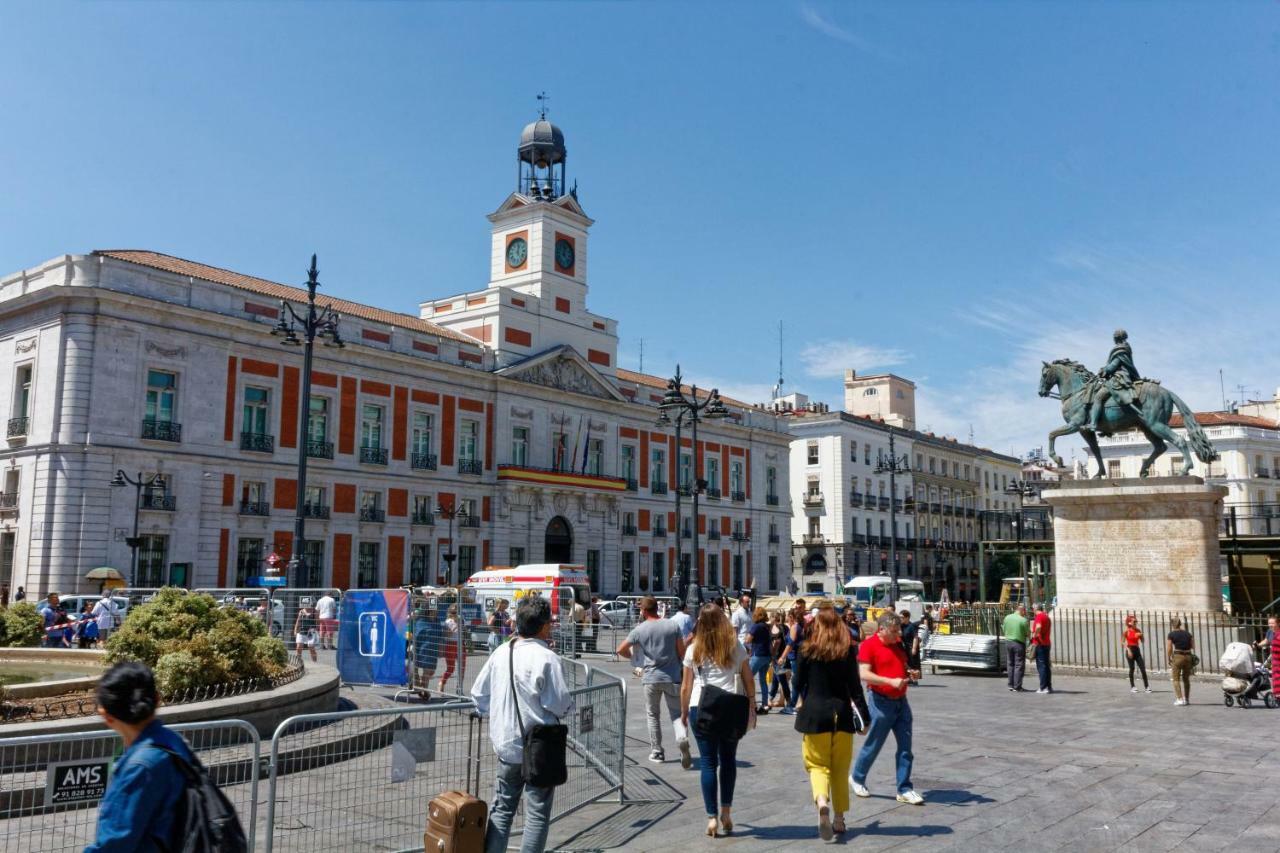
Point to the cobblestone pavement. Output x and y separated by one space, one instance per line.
1091 767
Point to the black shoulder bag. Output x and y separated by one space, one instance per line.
545 746
721 713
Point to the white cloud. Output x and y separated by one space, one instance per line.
830 359
817 21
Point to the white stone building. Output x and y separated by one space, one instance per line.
504 404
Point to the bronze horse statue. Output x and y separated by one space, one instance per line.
1076 384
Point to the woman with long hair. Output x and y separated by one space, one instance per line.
828 683
715 658
759 639
779 634
1133 651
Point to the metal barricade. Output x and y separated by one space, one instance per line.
50 785
441 638
255 600
287 601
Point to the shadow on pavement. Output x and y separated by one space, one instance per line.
954 797
925 830
620 828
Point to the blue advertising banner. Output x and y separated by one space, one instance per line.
371 636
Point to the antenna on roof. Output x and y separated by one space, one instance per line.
641 355
970 434
777 389
1223 389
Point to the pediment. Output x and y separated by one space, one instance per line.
564 369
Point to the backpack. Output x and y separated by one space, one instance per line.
204 820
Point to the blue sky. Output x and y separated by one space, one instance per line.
951 191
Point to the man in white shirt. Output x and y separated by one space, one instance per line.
741 620
325 613
544 698
682 618
107 614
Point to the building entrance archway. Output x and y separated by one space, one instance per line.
558 545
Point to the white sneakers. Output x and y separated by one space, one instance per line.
911 798
860 790
1180 701
1135 690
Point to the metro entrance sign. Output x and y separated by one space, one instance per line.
273 560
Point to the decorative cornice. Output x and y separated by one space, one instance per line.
165 352
25 345
524 414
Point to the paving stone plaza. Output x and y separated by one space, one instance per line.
1091 767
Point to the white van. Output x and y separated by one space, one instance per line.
873 590
562 585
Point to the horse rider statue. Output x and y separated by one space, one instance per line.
1118 378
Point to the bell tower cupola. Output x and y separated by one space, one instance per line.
540 158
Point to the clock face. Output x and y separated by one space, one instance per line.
517 251
564 254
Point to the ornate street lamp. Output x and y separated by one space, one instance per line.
451 512
689 407
315 322
1022 489
120 480
893 465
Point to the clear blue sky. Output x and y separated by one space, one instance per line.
952 191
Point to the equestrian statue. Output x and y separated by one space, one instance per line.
1118 398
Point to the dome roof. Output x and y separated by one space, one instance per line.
542 141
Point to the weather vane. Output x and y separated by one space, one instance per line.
543 97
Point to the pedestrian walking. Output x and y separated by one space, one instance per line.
831 691
305 628
1275 659
780 689
1015 638
742 621
1264 645
882 664
1179 647
450 635
499 623
759 645
1133 652
326 612
86 627
851 621
107 613
715 664
521 686
663 648
682 618
1041 630
911 643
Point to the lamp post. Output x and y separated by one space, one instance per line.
450 513
120 480
893 465
689 406
323 323
1022 489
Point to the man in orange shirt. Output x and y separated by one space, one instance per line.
882 663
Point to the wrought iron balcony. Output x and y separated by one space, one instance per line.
738 536
657 488
422 461
162 431
629 530
771 500
686 533
8 502
1262 472
935 508
713 535
255 508
423 518
774 538
470 466
684 491
319 449
315 511
373 455
859 539
164 503
813 499
633 485
469 521
372 513
909 505
18 427
659 533
738 496
713 492
812 539
883 503
258 442
855 499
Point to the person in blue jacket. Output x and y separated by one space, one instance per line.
136 813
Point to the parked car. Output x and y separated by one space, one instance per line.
276 627
75 603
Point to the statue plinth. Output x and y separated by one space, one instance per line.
1149 544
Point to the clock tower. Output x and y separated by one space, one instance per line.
537 294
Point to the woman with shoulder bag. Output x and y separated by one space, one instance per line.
715 670
834 708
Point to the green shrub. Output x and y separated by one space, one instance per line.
23 625
193 641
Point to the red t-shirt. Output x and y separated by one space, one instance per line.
1040 628
1132 637
887 662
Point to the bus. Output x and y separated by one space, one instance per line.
873 590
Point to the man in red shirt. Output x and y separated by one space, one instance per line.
882 664
1040 640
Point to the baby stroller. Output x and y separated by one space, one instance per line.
1245 680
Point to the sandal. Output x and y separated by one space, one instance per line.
839 827
712 825
824 824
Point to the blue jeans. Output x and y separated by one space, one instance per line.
537 812
795 679
886 715
1044 669
714 753
759 666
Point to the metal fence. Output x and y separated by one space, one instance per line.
50 785
254 600
286 602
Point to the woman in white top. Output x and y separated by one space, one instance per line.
715 657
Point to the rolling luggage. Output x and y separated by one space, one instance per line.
455 824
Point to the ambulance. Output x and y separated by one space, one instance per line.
560 584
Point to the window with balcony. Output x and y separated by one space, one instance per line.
420 565
420 448
657 472
595 456
628 571
468 514
20 414
469 447
466 561
316 505
628 466
248 560
371 506
629 524
156 496
811 451
371 447
253 498
161 406
771 486
255 421
368 567
311 573
422 513
12 485
737 483
685 473
713 476
520 446
318 444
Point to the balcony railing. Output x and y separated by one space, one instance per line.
18 427
629 530
812 539
1262 472
255 508
935 508
884 504
659 533
713 535
713 492
686 533
738 536
422 518
684 491
164 503
738 495
372 513
633 485
657 488
315 511
771 500
470 466
813 499
8 501
422 461
859 539
373 455
774 538
469 521
319 449
258 442
855 499
162 431
909 505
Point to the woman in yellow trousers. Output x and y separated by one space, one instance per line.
833 709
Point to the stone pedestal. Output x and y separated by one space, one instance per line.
1137 544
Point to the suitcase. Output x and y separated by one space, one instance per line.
455 824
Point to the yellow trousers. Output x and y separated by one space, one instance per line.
827 757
